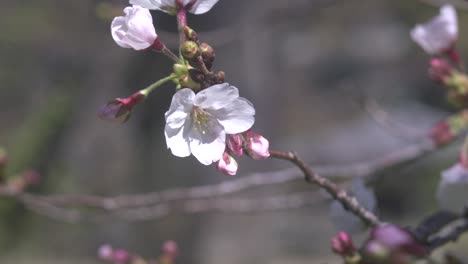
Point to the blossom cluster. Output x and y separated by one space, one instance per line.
207 118
121 256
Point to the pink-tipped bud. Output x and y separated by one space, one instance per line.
343 245
120 108
441 134
234 143
227 165
440 70
105 252
257 146
170 249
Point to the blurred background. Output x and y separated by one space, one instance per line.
303 63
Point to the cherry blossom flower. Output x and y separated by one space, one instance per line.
198 123
196 7
439 34
135 30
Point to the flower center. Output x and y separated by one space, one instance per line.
201 120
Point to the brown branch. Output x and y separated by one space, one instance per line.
348 201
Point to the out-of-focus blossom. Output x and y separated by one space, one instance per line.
257 146
347 221
441 133
196 7
439 34
135 30
392 244
105 252
170 249
198 123
227 165
120 109
452 193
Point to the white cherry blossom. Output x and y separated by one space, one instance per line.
439 34
198 123
196 7
135 29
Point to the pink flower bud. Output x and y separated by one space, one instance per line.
120 108
227 165
257 146
439 70
234 143
105 252
170 249
343 245
441 134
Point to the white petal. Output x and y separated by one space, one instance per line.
237 117
216 96
202 6
439 34
452 193
163 5
181 106
208 147
177 142
135 30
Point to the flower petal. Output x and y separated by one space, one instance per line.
163 5
216 96
208 147
181 106
237 117
202 6
176 141
452 193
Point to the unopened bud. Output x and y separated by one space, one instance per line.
235 143
440 70
187 82
219 77
227 165
196 75
208 55
190 34
257 146
180 69
343 245
120 108
190 50
442 134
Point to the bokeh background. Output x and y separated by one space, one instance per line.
302 63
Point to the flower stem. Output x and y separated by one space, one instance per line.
170 54
155 85
182 22
348 201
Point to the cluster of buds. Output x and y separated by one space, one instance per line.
438 38
121 256
252 144
387 244
17 183
195 71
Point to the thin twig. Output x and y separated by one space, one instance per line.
348 201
